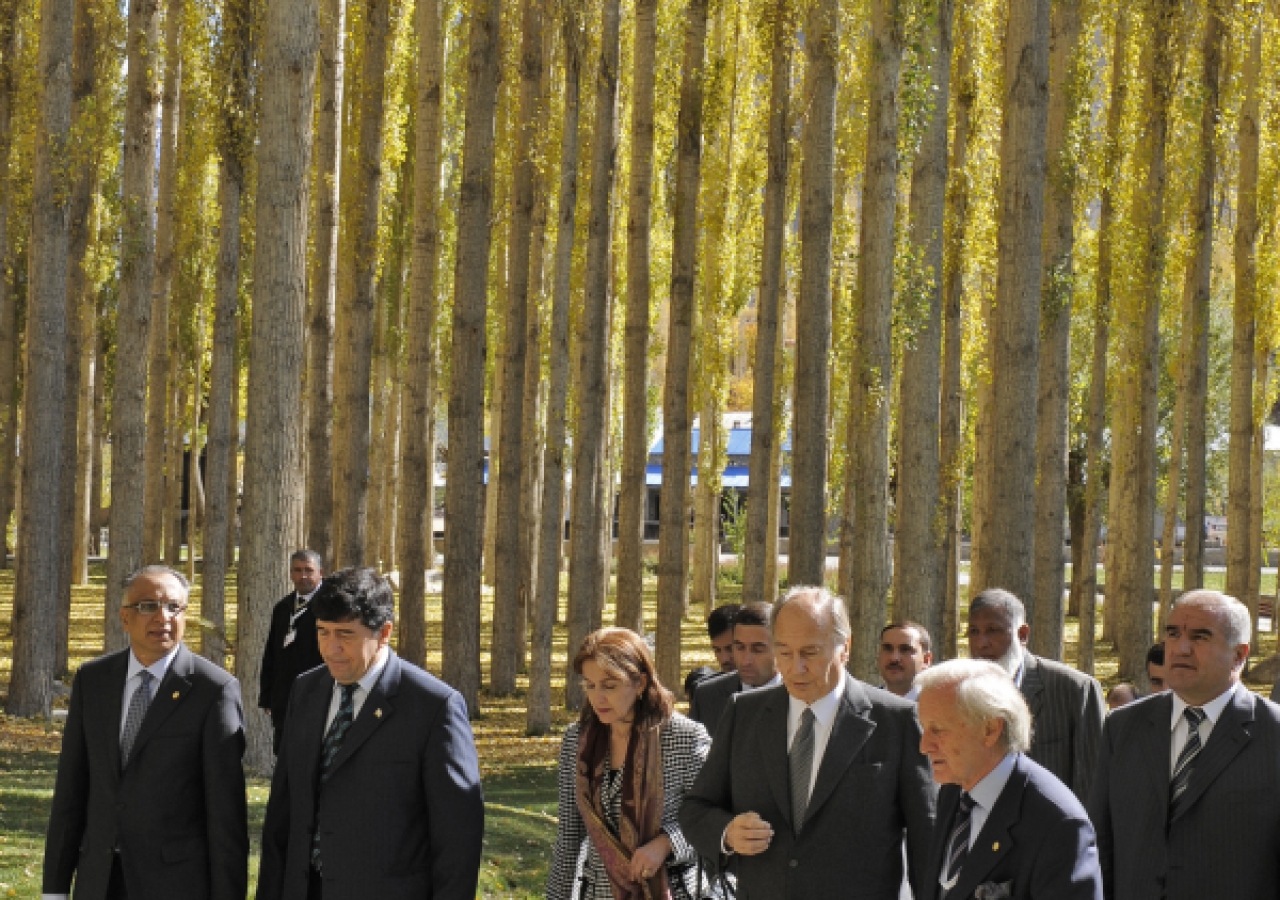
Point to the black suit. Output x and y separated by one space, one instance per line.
1067 710
176 812
871 784
402 814
711 697
281 664
1225 840
1037 841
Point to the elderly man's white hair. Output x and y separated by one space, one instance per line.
984 691
1237 624
825 603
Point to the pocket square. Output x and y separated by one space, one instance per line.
992 890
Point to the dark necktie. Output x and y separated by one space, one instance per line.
338 729
959 839
138 705
801 760
1186 759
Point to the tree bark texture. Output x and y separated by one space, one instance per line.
9 339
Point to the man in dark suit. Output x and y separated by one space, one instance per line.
906 650
1006 826
1067 707
150 800
291 644
754 666
809 785
1187 796
376 791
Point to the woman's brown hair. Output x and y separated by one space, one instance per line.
624 654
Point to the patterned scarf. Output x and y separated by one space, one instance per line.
641 814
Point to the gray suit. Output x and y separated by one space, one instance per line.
871 784
176 812
1225 840
711 697
1067 711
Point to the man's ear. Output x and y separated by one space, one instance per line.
1024 632
384 633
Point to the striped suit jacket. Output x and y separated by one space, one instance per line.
1225 840
1067 711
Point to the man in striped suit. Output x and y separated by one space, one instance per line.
1067 708
1186 801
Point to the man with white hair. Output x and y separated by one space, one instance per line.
1187 794
810 784
1006 826
1066 705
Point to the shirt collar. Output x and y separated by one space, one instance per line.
824 708
772 682
303 599
987 791
158 669
1212 710
370 678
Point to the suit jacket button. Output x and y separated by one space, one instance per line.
794 863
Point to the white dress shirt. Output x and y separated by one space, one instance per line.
824 716
363 687
133 680
984 795
1181 730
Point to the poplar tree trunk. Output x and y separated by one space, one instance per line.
417 465
1087 576
356 317
589 435
1134 429
173 445
133 316
551 537
706 505
635 416
1053 404
807 548
1243 333
1009 495
324 273
673 527
920 535
9 400
88 374
159 397
506 647
951 461
764 428
273 488
465 486
1262 364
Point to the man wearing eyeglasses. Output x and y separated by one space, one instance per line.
150 797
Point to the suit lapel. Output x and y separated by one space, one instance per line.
377 708
1032 683
114 707
850 730
994 841
948 801
1230 735
308 717
773 748
1157 738
170 693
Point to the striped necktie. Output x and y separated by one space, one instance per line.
138 705
338 729
801 760
1186 759
959 839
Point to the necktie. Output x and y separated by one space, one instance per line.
801 760
338 729
959 839
138 704
1186 759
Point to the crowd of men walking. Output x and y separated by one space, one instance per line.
997 776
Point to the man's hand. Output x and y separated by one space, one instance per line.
748 834
646 861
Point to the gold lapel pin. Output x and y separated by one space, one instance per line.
377 714
175 695
995 846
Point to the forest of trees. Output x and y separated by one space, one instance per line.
1004 270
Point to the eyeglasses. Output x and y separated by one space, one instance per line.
151 607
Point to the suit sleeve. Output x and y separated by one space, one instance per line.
268 675
224 796
918 798
1092 712
570 831
1067 866
1099 808
691 752
451 775
708 807
275 829
70 799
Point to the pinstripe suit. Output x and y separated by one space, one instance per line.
1067 712
1225 840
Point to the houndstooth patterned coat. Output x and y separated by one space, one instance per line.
576 870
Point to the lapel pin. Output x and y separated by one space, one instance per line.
377 714
995 846
175 695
